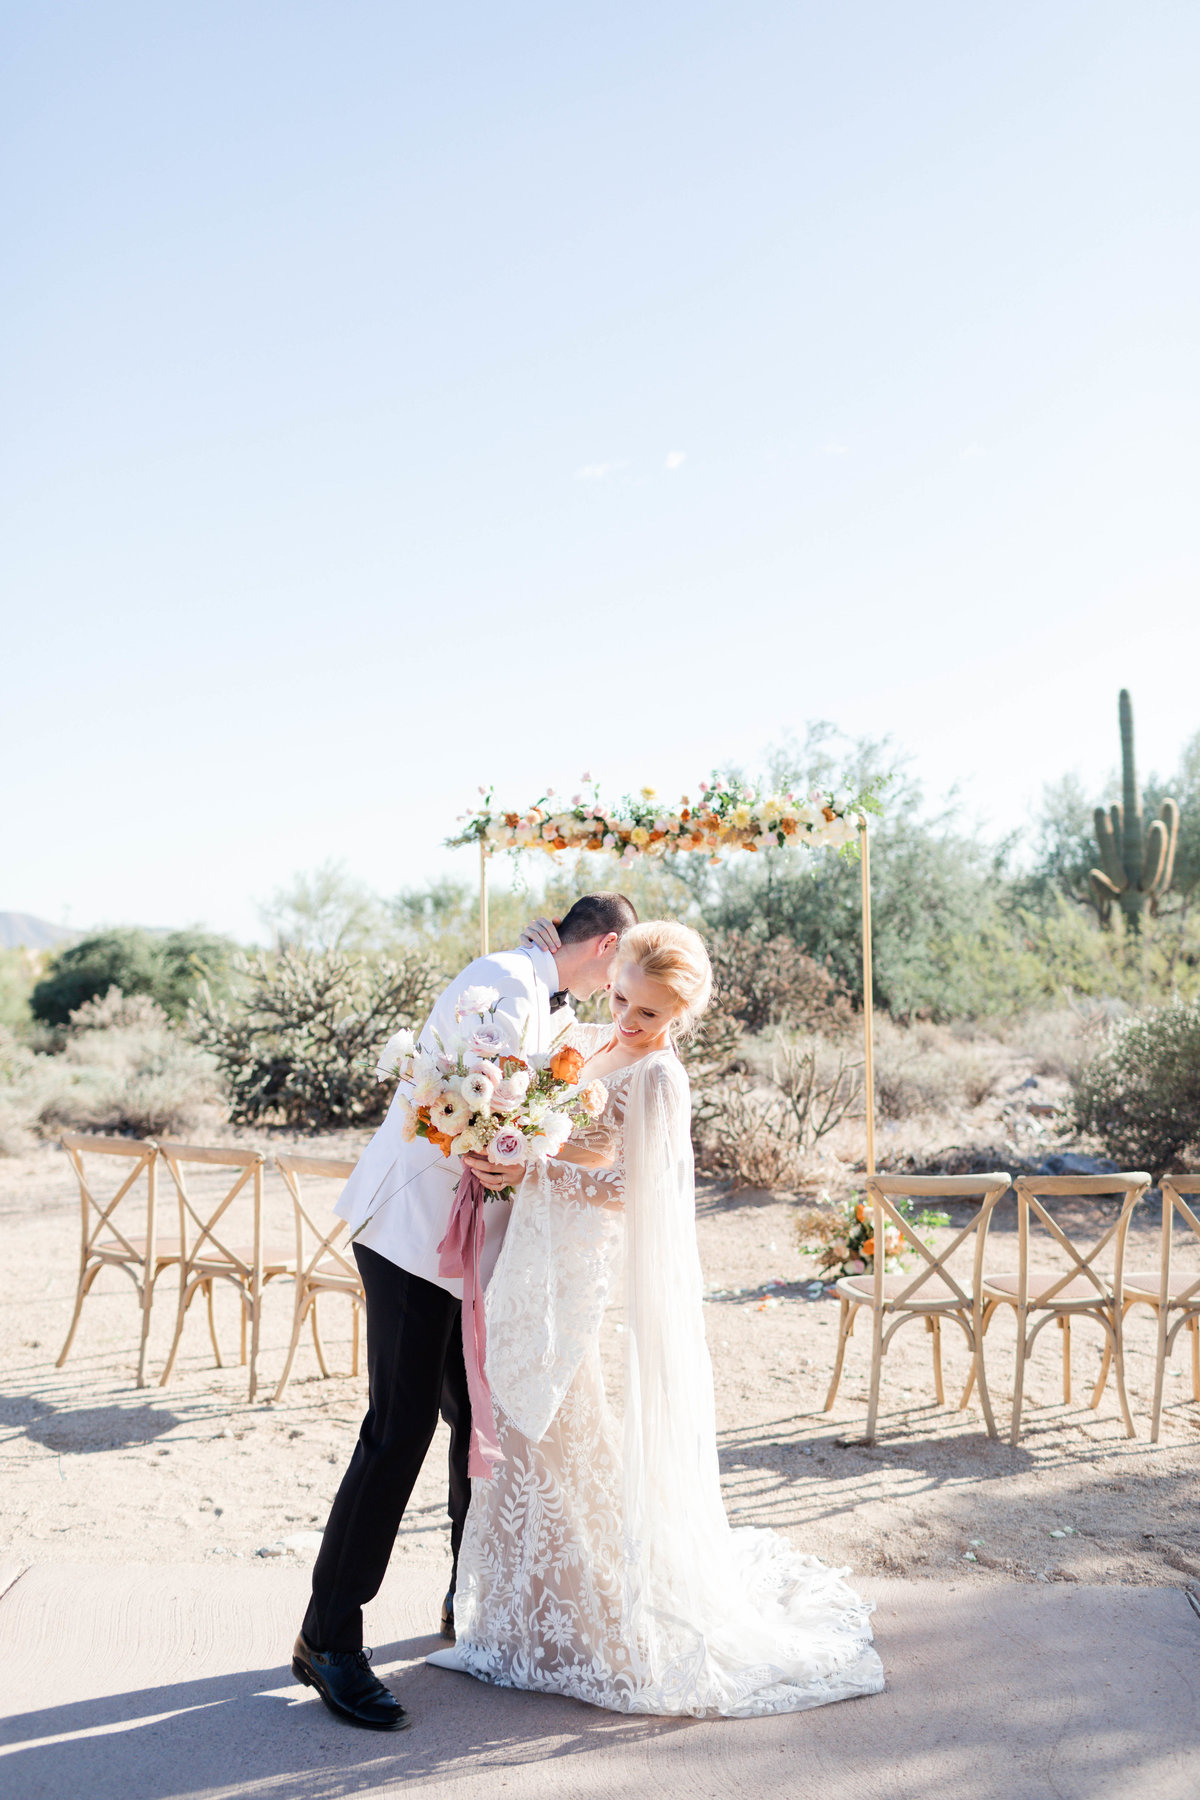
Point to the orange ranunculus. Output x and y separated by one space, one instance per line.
560 843
512 820
868 1248
787 826
686 814
567 1064
829 814
860 1213
594 844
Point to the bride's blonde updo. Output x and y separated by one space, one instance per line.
673 955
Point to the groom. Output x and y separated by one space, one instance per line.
415 1365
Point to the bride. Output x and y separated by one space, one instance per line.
598 1561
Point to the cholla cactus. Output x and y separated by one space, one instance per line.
1137 864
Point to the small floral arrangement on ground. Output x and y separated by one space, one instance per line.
729 815
842 1237
476 1095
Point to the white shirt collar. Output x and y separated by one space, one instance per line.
544 966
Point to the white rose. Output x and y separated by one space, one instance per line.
475 1000
554 1130
399 1048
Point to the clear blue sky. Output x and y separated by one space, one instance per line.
400 398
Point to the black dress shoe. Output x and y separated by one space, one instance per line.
447 1626
345 1683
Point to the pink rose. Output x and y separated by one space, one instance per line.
480 1065
488 1040
510 1093
594 1098
508 1146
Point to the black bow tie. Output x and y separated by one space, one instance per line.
559 999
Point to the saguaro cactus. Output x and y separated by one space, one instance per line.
1137 864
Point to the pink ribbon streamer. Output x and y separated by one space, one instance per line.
459 1254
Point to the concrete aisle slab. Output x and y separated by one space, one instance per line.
151 1683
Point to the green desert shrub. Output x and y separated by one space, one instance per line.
298 1039
123 1068
166 967
1139 1097
771 981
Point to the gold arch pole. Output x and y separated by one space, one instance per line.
868 998
483 899
867 976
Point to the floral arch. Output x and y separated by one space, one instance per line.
726 816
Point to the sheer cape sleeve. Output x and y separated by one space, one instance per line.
716 1620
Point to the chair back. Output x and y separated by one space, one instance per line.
1033 1193
889 1222
1174 1188
204 1224
324 1262
99 1213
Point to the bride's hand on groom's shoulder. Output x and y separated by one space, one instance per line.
541 934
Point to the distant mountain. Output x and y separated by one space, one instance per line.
22 930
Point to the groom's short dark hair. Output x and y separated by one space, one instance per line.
595 915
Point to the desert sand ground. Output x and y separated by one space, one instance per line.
93 1470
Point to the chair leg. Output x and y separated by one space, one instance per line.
297 1327
1160 1369
147 1297
86 1278
988 1310
933 1325
876 1372
186 1295
980 1374
1194 1328
1019 1376
1102 1377
354 1336
317 1341
212 1323
255 1322
1064 1325
1118 1322
242 1356
844 1328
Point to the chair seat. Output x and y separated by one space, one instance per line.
331 1274
276 1260
1079 1291
1145 1286
933 1295
166 1248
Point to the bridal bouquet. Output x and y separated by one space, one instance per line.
476 1095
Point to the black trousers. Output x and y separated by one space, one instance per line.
415 1370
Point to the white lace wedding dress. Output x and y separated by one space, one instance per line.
598 1561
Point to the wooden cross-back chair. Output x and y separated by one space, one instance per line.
1081 1291
1174 1298
321 1267
932 1292
213 1251
110 1242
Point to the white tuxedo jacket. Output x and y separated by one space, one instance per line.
407 1190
